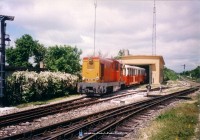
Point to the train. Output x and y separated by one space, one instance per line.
105 75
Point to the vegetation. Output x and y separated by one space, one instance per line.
169 74
63 58
194 74
23 87
25 48
68 97
178 123
120 54
56 58
39 54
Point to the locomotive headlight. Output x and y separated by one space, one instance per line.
83 78
97 78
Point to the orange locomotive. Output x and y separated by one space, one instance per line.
104 75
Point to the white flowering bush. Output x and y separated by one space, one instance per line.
24 86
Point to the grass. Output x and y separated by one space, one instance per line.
178 123
46 101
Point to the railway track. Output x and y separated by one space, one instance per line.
97 123
29 115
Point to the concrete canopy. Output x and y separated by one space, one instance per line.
155 64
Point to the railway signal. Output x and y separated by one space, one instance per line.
183 68
4 38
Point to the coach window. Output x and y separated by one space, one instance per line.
124 71
131 72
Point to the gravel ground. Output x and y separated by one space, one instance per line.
52 119
45 121
9 110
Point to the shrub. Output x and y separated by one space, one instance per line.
24 86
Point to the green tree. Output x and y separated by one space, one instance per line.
25 48
169 74
63 58
120 54
39 54
196 72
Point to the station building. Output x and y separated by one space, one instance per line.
154 66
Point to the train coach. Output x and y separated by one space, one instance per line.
105 75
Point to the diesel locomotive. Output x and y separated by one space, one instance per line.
105 75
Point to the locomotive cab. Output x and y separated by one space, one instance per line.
91 70
99 76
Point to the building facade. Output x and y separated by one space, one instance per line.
154 66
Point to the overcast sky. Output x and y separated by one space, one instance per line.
120 24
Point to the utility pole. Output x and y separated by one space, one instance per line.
154 30
95 7
3 18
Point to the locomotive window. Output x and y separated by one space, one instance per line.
116 66
90 65
102 71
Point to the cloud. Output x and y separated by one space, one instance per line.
120 25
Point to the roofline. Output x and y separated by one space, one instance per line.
144 57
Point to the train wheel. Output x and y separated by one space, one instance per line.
109 89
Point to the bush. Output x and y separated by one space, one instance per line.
169 75
24 86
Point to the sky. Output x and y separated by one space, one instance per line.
120 24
